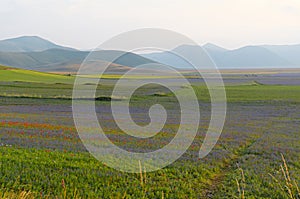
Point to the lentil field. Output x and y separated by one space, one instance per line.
42 155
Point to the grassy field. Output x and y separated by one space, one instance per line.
18 75
235 93
41 155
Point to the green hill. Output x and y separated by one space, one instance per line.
8 74
67 60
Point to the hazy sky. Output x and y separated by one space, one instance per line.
86 23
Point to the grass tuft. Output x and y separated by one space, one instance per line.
289 188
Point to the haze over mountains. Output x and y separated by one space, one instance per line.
31 52
38 54
280 56
28 44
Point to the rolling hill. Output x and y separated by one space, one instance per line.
8 74
66 60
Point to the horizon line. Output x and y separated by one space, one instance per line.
202 44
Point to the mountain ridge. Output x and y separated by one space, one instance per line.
60 59
264 56
29 44
33 52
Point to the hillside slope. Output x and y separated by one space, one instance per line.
8 74
66 60
28 44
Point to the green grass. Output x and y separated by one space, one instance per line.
252 93
251 144
235 94
116 76
263 93
14 75
25 83
52 173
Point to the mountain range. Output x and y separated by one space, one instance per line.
31 52
268 56
43 55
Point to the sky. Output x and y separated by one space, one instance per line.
84 24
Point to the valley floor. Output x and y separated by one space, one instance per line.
41 155
40 148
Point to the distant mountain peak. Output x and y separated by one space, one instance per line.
27 38
28 44
244 57
211 46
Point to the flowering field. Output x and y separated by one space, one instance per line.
41 153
